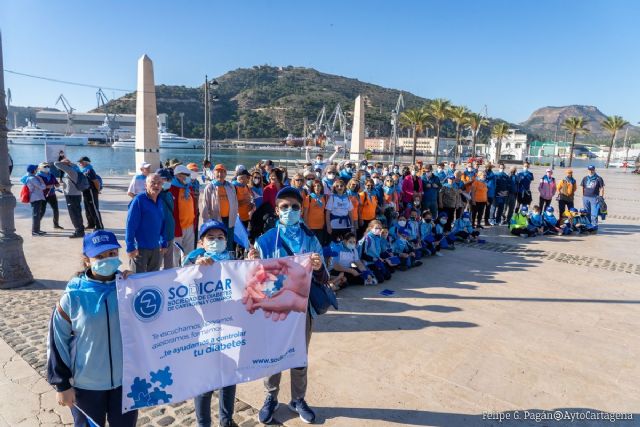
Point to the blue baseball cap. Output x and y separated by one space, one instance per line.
289 192
549 209
99 242
165 173
573 210
583 210
591 167
442 214
524 208
32 168
211 225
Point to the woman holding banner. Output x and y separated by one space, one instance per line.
85 346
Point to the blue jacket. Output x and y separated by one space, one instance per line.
166 198
370 247
431 194
491 184
145 224
400 246
427 229
549 220
535 220
296 238
462 224
442 175
88 347
524 181
192 256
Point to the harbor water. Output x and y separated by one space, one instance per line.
121 161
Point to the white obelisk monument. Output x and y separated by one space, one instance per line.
147 144
357 134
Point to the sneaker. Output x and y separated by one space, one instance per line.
438 254
306 414
38 233
58 227
417 263
76 236
268 409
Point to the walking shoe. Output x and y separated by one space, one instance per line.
306 414
38 233
417 263
229 423
268 409
76 236
438 254
58 227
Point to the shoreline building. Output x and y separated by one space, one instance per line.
60 121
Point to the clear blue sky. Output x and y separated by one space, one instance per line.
513 56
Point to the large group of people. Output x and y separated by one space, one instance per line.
362 222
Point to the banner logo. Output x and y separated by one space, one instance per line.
147 304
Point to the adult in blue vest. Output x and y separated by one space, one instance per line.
431 186
291 237
592 188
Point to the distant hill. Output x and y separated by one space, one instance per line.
544 121
273 101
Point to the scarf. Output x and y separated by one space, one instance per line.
292 235
86 284
571 180
185 187
140 177
352 193
237 183
317 198
388 190
223 256
86 169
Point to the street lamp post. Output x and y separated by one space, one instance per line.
14 270
182 125
211 98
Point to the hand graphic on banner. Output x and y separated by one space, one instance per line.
278 286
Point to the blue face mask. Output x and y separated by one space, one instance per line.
289 217
216 246
166 185
106 267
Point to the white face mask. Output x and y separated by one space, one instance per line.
216 246
331 175
402 223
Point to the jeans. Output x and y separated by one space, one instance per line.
590 203
52 201
92 208
226 399
102 405
511 204
432 206
231 245
497 209
298 375
75 212
564 205
37 211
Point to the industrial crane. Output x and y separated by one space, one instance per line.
69 109
339 117
103 102
394 125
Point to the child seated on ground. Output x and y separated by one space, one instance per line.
413 227
583 224
404 250
550 222
428 234
535 221
347 262
337 279
390 257
447 240
463 229
519 225
371 251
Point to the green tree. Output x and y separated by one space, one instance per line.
460 116
499 132
613 124
475 124
575 125
439 110
418 120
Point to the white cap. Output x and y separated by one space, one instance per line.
145 165
181 169
240 168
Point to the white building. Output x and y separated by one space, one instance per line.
427 145
514 147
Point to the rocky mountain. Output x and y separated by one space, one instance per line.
544 121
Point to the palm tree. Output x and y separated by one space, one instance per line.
439 110
417 119
460 116
613 124
575 125
476 121
499 132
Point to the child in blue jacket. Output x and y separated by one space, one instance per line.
536 225
447 239
463 229
550 222
85 346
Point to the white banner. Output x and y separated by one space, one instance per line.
190 330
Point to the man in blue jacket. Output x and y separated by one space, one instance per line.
525 177
144 233
291 237
431 185
592 187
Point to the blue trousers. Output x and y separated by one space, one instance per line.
592 206
227 398
101 405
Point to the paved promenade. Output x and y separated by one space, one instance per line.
535 325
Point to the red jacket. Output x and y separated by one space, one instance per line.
269 193
175 192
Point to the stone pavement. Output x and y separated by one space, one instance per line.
515 324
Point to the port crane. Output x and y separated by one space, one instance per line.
110 118
69 109
394 125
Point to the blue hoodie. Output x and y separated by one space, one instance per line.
88 347
145 224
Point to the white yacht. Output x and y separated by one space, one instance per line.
166 139
33 135
125 143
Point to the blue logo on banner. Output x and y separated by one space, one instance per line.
147 304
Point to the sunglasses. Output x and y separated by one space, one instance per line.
286 207
298 180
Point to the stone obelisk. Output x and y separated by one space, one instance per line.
147 144
14 270
357 134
